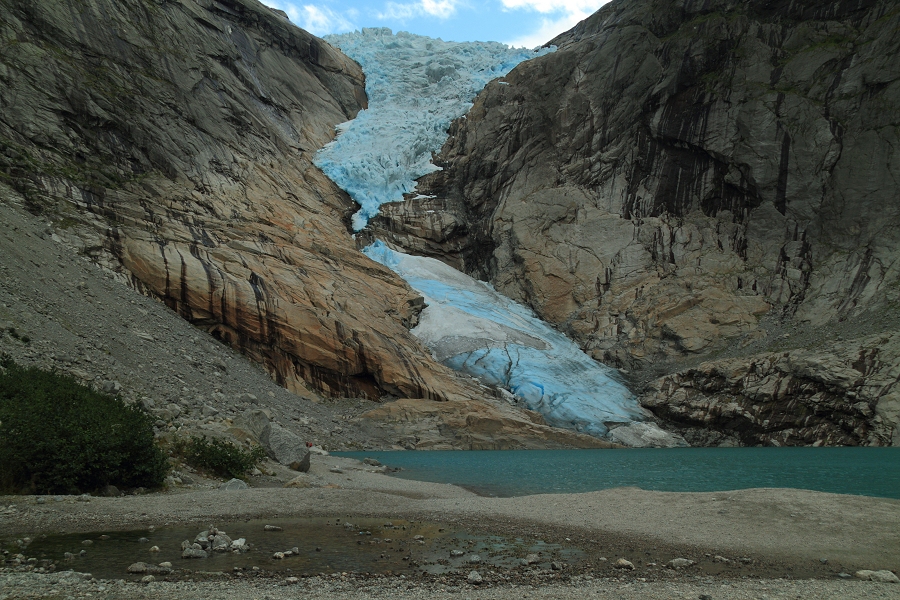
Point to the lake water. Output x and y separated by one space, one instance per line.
862 471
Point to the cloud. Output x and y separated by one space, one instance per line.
316 19
556 6
442 9
562 16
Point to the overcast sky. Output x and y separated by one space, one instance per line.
526 23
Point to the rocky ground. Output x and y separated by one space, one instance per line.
746 544
60 311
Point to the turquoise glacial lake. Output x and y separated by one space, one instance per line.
861 471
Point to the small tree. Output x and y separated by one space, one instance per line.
58 436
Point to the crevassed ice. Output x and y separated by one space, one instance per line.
472 328
416 86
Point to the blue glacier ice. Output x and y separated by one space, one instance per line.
416 86
470 327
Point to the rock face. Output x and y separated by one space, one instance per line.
429 425
172 142
846 395
679 176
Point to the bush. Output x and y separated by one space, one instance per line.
218 456
60 437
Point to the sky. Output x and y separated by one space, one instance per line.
519 23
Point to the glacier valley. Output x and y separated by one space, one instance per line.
416 87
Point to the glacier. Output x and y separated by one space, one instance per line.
416 86
470 327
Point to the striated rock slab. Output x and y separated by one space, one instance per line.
464 425
172 142
845 395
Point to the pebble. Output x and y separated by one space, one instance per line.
679 563
624 564
474 577
272 528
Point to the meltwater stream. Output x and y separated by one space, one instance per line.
416 87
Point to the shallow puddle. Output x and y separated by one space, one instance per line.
325 545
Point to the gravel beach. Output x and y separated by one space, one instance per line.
774 543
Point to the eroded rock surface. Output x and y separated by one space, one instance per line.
678 171
172 142
848 394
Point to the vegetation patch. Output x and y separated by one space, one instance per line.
58 436
218 456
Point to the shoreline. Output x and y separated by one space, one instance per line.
765 535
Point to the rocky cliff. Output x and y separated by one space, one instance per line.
691 181
170 141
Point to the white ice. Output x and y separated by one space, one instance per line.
472 328
416 87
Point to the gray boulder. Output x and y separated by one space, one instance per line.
254 421
234 484
285 447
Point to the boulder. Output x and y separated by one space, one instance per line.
233 484
883 576
679 563
285 447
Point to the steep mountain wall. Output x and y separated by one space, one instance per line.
684 181
172 141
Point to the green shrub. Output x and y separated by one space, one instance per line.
60 437
218 456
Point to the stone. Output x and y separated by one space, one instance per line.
111 387
148 579
254 421
140 568
194 553
221 542
301 465
300 481
371 462
474 577
278 555
154 549
284 446
456 553
624 564
209 411
272 528
531 559
679 563
233 485
474 559
883 576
